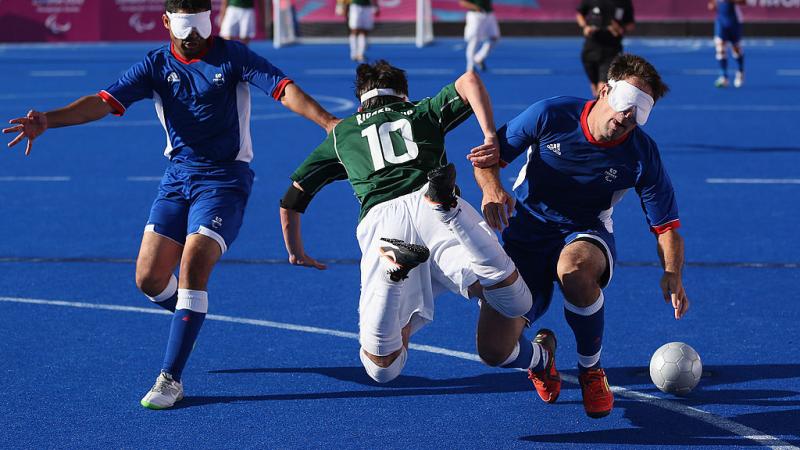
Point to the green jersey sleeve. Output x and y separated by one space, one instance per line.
321 168
446 108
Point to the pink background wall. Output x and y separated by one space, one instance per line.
128 20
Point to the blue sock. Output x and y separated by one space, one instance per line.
740 62
186 323
723 67
526 355
587 325
169 298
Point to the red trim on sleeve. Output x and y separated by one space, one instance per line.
112 102
503 164
663 228
278 91
585 126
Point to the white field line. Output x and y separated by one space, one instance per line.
57 73
34 179
789 72
753 180
144 178
676 407
700 71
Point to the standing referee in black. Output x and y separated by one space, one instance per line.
604 23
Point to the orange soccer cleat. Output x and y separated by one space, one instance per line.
546 381
598 400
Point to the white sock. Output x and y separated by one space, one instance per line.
353 45
483 53
361 45
471 45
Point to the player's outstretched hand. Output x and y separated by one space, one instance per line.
497 206
31 126
485 155
306 261
672 288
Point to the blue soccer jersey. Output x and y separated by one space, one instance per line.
572 182
203 104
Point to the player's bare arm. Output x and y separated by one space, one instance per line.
290 226
497 204
670 251
301 103
85 109
473 92
587 29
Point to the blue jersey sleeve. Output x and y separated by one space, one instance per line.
134 85
520 132
655 190
256 70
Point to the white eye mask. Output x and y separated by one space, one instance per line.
376 92
182 24
624 95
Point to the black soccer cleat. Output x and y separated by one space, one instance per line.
442 187
403 257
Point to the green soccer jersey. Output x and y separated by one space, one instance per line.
385 152
241 3
361 2
484 5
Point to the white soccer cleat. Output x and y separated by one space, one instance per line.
721 82
738 80
164 394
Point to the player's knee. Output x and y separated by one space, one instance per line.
512 298
579 283
384 369
737 52
150 282
492 354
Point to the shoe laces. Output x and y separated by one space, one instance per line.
164 385
594 382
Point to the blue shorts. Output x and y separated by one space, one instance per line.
210 202
728 32
536 258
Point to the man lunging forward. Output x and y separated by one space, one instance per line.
392 153
201 89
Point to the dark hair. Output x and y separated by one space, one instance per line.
187 5
383 75
627 65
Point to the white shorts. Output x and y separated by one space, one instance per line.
238 23
411 219
481 26
361 17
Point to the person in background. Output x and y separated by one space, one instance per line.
604 23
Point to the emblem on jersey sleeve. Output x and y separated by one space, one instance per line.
611 175
219 80
555 148
173 78
216 223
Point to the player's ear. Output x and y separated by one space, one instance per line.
165 21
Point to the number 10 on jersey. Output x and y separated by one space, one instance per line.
381 147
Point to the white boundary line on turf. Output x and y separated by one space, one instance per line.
57 73
35 178
695 413
753 180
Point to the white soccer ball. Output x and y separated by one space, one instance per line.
675 368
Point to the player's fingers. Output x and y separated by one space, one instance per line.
13 129
16 140
20 120
676 305
28 147
490 215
